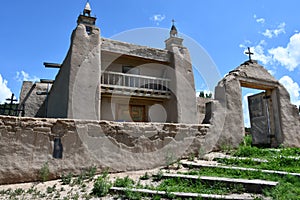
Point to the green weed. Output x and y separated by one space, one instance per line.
44 172
101 185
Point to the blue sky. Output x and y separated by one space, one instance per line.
35 31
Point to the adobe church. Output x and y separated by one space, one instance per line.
103 79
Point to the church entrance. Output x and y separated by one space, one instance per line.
259 113
265 125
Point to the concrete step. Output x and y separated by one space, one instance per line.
199 165
252 186
245 196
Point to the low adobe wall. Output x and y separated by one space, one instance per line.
27 144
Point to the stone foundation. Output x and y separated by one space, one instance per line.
27 144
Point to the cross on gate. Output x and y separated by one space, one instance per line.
249 53
11 102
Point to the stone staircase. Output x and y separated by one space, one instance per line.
248 187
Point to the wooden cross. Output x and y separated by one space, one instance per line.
11 102
249 53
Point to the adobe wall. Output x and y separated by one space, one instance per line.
226 109
33 102
27 144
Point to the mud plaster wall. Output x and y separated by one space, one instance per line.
27 144
227 116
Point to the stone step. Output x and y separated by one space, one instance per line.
253 186
199 165
245 196
215 156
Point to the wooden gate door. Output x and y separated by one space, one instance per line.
259 119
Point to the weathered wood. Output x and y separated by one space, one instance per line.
254 185
52 65
245 196
188 164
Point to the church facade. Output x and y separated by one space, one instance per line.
103 79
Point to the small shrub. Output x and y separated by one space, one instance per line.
31 190
91 172
19 191
44 172
76 196
101 185
145 176
124 182
191 157
158 176
66 179
51 189
132 195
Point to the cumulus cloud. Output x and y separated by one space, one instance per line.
23 76
288 56
259 52
5 92
157 18
293 89
275 32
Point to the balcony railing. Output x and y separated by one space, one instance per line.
132 84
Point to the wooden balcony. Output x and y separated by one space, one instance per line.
134 85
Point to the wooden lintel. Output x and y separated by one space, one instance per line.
52 65
257 84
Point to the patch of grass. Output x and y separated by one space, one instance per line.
191 157
85 175
195 186
18 191
145 176
288 188
51 189
278 163
158 176
66 179
101 185
124 182
44 172
132 195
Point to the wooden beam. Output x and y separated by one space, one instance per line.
52 65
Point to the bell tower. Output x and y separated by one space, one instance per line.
86 19
183 79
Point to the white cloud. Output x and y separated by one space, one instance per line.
246 110
23 76
272 72
157 18
259 20
5 92
293 89
288 56
275 32
258 52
